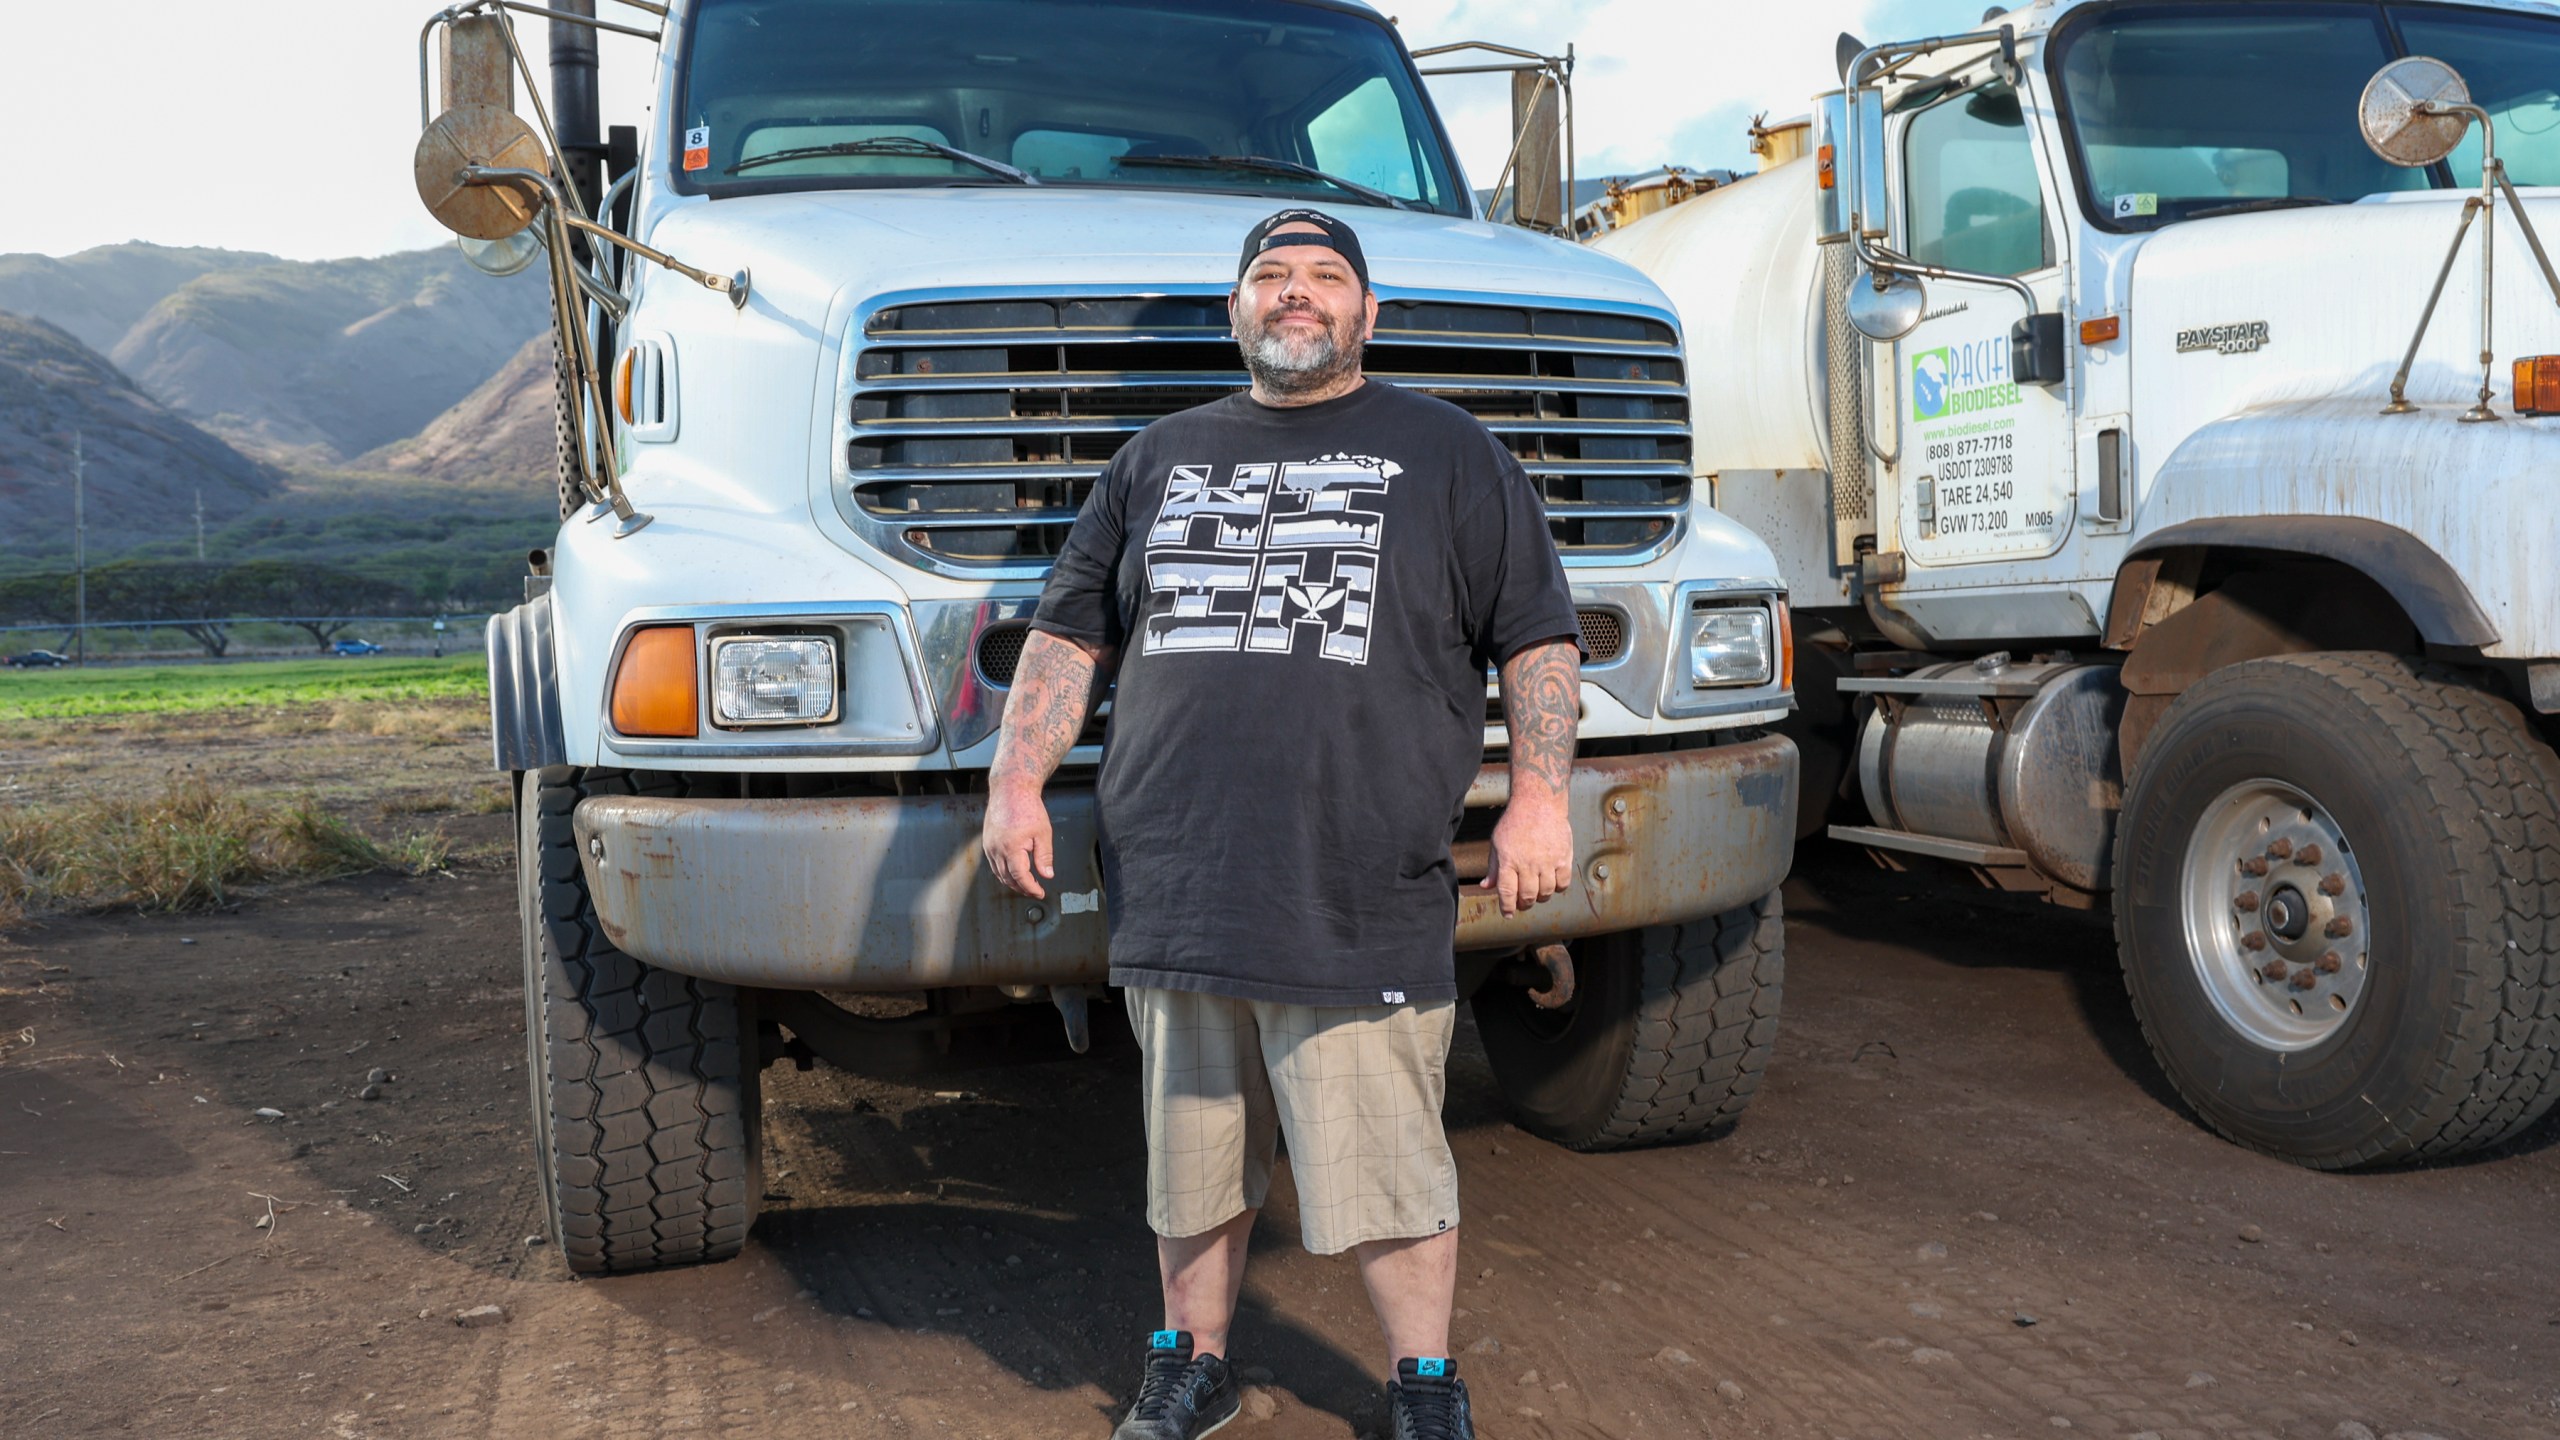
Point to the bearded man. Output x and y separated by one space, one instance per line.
1300 589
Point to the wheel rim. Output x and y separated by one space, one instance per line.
2276 917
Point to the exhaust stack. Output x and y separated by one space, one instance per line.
577 113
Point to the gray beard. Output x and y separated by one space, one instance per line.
1295 367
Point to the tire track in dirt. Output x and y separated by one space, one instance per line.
2003 1086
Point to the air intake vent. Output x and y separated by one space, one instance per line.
972 429
1604 636
1000 653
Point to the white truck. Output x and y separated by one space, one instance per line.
2160 538
847 333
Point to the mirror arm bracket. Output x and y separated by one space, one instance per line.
736 286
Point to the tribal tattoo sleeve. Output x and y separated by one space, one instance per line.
1056 686
1542 706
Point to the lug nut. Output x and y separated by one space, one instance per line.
2333 884
2307 855
2328 962
2273 970
2305 978
2254 940
2254 865
2245 902
2340 927
2279 848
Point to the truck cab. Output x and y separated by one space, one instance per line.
2158 493
847 334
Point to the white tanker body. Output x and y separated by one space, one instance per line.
2158 599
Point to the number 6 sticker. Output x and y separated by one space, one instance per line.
697 148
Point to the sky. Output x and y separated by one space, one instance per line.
287 126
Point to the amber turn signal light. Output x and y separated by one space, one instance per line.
1786 647
1826 175
622 369
2538 385
2101 330
656 688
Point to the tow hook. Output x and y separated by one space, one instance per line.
1557 993
1070 1000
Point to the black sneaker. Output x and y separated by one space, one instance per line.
1181 1398
1427 1401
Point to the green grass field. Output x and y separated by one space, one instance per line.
169 689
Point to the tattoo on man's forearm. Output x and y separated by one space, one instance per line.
1542 706
1054 689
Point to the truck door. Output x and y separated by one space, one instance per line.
1985 464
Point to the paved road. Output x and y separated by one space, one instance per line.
1964 1206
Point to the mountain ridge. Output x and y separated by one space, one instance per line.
146 467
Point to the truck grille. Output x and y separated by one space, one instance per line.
973 428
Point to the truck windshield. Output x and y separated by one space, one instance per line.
2181 111
1264 97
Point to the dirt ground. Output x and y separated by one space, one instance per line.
1963 1206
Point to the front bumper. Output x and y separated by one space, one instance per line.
891 893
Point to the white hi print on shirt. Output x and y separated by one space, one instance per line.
1278 549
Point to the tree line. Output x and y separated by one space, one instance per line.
204 601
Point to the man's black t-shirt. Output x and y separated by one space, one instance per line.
1304 601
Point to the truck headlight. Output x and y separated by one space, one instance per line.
773 680
1728 645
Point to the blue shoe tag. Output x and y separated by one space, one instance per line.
1430 1367
1165 1340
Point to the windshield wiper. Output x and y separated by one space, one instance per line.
1267 165
2272 202
889 145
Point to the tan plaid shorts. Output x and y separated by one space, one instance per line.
1355 1088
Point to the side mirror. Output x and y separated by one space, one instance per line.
2036 356
1886 307
471 135
2411 112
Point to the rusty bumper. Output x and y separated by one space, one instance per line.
890 893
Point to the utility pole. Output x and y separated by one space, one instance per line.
199 524
80 541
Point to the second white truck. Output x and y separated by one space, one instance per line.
2162 475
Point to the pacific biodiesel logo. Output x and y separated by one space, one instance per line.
1929 384
1961 379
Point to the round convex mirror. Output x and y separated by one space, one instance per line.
1886 307
503 257
2400 112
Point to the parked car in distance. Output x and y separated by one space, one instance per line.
39 660
354 647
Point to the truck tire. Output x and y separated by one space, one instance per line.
1664 1039
2394 998
647 1115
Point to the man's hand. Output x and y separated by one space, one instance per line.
1017 840
1532 852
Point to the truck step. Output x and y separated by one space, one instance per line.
1937 847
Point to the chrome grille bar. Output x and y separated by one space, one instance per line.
965 448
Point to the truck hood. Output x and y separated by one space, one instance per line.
2302 305
2262 349
804 247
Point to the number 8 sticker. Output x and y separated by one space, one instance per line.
697 148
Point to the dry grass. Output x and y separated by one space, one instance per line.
185 847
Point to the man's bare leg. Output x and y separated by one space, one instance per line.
1204 1273
1412 1285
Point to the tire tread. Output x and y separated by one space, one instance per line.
642 1084
2490 785
1705 1026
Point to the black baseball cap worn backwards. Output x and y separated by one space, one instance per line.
1336 235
